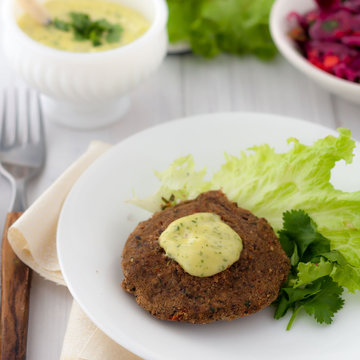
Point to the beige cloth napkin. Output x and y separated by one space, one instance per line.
33 238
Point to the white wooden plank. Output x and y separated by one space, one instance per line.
347 115
159 98
50 305
206 84
276 87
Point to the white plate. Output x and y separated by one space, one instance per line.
96 221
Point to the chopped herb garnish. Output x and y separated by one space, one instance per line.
85 29
61 25
168 202
316 279
114 33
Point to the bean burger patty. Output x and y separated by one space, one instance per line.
166 291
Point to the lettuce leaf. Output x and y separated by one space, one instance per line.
344 275
179 182
347 276
233 26
269 183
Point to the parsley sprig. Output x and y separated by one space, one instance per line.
318 274
86 29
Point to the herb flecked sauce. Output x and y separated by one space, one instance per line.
201 243
134 24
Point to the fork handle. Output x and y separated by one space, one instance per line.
15 291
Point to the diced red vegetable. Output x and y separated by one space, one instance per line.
329 36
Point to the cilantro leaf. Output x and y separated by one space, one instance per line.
300 238
94 37
317 272
81 25
86 29
102 24
320 299
61 25
289 298
326 302
309 272
114 33
335 256
310 254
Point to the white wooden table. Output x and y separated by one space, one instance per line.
184 85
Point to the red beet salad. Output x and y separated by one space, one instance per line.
329 37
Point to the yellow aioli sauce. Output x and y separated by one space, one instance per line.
133 22
202 244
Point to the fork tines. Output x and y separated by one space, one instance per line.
21 109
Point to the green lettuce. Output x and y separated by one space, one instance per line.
214 26
345 275
269 183
179 182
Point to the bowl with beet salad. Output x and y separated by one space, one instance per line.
322 39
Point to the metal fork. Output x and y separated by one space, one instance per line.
20 160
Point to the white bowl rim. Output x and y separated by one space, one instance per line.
284 44
157 25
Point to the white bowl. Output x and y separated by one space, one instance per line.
86 90
279 28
